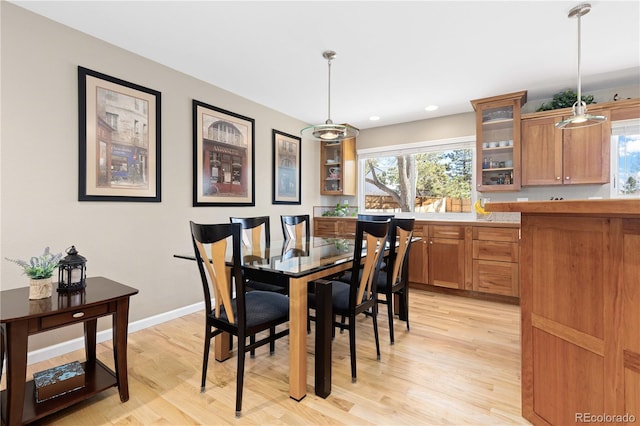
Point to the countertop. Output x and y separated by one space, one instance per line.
617 207
461 222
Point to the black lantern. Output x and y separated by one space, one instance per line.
72 272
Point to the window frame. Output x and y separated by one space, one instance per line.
463 142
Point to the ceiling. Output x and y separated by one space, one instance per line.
393 58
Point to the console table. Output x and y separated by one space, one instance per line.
21 317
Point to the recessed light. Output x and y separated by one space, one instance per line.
374 118
431 108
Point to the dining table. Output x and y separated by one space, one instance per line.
295 264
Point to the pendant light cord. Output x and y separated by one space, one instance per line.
579 100
329 94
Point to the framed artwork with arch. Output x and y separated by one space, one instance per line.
223 157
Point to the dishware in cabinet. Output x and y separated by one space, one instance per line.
498 142
338 167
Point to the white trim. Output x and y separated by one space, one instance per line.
102 336
410 148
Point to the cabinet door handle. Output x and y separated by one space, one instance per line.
78 315
430 242
557 177
567 178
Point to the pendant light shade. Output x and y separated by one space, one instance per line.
329 132
580 118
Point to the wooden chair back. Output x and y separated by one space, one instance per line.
210 247
372 235
256 237
376 217
400 230
296 227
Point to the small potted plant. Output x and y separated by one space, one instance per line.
40 270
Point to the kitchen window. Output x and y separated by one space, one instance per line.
625 158
428 178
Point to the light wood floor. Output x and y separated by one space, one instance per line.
459 365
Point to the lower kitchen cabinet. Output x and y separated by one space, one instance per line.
447 256
468 258
331 227
495 261
419 255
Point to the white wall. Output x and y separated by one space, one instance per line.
132 243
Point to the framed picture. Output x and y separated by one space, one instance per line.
119 139
287 173
223 157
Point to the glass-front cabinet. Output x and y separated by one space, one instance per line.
498 142
338 167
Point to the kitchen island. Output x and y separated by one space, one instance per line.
580 304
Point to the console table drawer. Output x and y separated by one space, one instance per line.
70 317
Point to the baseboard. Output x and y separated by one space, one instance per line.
102 336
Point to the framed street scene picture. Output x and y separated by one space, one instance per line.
286 168
119 135
223 157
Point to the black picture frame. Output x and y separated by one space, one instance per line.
286 183
223 157
119 139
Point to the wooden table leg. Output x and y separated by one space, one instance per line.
222 342
324 328
16 350
120 325
298 338
90 332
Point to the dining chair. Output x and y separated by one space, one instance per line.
295 227
245 314
256 239
346 277
359 295
395 279
375 217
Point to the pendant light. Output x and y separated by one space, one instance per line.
580 118
329 132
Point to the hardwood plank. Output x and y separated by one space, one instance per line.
459 364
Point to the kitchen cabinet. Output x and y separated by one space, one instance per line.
446 259
331 227
419 255
468 257
551 156
338 167
498 142
580 309
495 260
473 259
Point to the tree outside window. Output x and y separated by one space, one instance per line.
427 182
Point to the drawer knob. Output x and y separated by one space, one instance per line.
78 315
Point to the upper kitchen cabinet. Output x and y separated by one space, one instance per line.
498 141
338 167
551 156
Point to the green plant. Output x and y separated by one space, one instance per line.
39 266
565 99
341 210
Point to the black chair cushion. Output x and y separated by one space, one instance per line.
262 307
381 282
339 294
259 285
